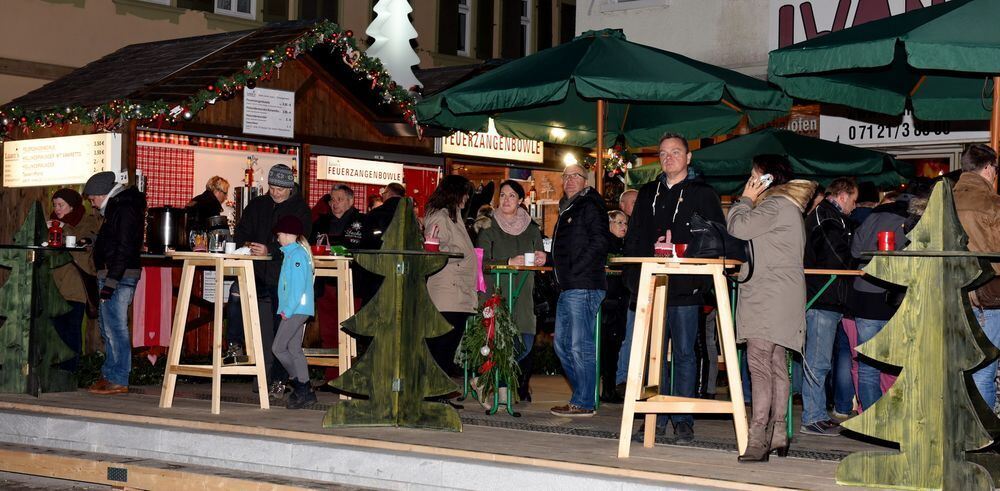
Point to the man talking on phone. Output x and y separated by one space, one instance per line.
664 205
254 231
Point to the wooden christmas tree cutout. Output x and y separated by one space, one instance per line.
929 410
396 373
30 347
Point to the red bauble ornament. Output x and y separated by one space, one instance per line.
210 88
24 119
349 33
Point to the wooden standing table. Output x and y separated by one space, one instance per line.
647 344
240 266
339 268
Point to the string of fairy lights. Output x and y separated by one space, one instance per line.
115 114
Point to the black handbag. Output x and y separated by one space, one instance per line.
711 240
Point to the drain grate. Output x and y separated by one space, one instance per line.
118 474
542 425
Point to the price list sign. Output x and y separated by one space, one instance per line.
269 112
60 161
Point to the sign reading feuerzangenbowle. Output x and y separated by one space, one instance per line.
345 169
491 145
61 160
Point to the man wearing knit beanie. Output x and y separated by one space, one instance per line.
255 231
116 257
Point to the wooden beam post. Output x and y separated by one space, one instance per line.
995 116
599 166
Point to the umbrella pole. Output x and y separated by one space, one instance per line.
599 170
994 116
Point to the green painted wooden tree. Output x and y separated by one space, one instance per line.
929 410
30 347
397 371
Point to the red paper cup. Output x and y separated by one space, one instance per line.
680 250
886 241
320 250
432 247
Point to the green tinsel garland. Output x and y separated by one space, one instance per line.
496 357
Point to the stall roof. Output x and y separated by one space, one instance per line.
435 80
174 70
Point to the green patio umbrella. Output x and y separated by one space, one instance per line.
601 86
940 58
726 165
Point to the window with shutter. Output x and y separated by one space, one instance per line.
510 28
319 9
484 29
448 27
544 24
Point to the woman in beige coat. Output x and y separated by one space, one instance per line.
453 289
770 314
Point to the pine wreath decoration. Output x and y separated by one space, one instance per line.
491 345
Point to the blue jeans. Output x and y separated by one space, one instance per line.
989 320
576 321
821 330
113 323
869 377
621 376
843 380
682 332
527 340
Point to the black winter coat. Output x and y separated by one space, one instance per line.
119 240
658 209
828 246
347 231
580 243
200 208
376 221
258 219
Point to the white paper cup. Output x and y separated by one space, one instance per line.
70 241
230 247
529 258
547 245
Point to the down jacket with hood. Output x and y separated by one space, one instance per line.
118 245
580 242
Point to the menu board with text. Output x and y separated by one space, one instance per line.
269 112
62 160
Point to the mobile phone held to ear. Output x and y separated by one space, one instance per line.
766 180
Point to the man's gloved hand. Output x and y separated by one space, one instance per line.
106 293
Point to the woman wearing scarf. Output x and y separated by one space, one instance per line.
68 209
509 234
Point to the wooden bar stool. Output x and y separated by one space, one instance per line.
241 267
647 341
339 268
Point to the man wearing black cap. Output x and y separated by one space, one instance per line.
116 256
254 230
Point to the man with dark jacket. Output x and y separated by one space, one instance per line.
579 255
828 246
344 225
667 204
255 230
379 218
116 257
978 208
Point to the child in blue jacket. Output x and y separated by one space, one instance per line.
295 306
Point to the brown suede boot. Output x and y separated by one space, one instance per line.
757 446
779 437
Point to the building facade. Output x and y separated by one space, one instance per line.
450 32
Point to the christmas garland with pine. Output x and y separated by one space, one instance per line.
491 344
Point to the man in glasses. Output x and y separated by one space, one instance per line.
664 205
579 254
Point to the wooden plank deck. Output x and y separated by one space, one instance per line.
537 439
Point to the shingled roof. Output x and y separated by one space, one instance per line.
170 70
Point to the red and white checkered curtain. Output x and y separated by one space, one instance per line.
170 173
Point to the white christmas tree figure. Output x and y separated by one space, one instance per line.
392 31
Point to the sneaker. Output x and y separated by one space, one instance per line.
620 391
840 417
661 431
684 433
821 428
111 389
234 354
485 399
277 390
572 411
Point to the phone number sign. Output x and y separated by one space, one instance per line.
899 132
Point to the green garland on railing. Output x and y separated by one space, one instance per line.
115 114
491 344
